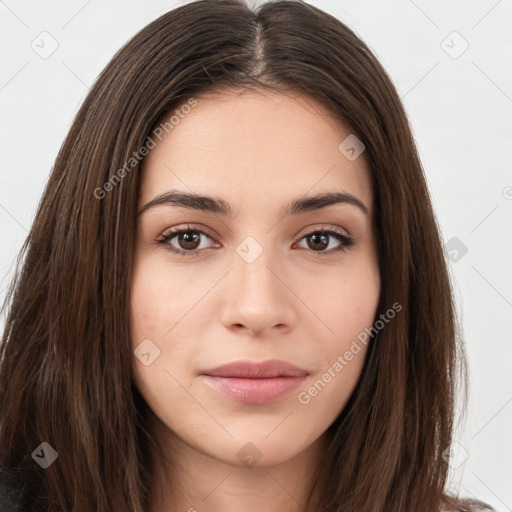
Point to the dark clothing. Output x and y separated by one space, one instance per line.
13 498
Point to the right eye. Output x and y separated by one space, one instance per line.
188 240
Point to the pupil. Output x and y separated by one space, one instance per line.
188 238
323 240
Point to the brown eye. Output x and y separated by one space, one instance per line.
320 240
189 240
185 242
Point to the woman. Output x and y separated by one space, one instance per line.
234 293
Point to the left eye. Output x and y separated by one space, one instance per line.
189 241
320 239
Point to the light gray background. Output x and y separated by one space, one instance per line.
460 110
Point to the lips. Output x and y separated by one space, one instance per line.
255 383
254 370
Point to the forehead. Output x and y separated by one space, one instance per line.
254 147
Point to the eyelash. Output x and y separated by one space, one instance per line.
165 238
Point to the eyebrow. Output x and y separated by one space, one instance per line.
218 206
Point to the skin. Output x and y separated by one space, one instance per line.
294 302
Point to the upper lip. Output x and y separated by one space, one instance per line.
257 370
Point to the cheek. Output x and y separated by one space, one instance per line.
345 306
161 302
348 310
357 308
154 312
161 296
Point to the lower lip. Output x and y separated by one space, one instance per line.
255 391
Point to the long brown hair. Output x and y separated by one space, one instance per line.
66 358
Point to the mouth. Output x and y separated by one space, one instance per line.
255 383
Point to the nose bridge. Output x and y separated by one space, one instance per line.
252 270
257 298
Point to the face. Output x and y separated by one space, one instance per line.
250 281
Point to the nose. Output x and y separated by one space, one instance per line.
258 298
